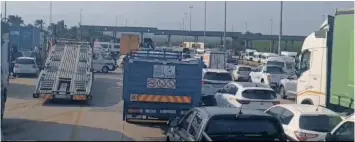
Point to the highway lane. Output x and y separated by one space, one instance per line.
26 118
34 119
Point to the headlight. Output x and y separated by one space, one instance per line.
269 78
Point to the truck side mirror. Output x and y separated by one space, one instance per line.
174 122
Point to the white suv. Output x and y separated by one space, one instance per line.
303 122
212 80
25 65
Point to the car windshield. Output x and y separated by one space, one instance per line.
25 61
251 53
243 127
244 69
218 76
319 123
274 70
259 94
281 64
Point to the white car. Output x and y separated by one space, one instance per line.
269 75
241 72
231 63
212 80
344 131
103 63
246 95
25 65
303 122
288 87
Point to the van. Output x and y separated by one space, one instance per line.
287 63
103 63
265 56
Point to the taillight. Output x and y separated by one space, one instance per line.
304 136
276 102
243 101
16 66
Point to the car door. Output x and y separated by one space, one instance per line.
219 96
253 74
96 62
181 132
285 119
230 96
257 74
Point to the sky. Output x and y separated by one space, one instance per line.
299 17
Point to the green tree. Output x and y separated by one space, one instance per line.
15 20
39 23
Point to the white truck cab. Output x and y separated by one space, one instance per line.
265 56
249 54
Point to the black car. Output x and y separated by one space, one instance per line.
225 124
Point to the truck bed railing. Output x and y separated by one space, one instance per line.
149 54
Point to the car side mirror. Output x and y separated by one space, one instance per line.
174 122
328 137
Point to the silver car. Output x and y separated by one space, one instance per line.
241 73
288 87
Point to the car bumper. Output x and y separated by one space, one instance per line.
19 71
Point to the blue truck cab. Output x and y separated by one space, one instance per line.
160 84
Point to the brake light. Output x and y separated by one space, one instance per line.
243 101
16 66
276 102
304 136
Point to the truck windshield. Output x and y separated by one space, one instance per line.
218 76
281 64
220 126
319 123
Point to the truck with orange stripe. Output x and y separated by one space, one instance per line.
326 64
160 84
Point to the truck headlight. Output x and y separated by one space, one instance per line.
269 78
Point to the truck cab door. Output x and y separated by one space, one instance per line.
304 74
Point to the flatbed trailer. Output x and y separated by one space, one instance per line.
67 73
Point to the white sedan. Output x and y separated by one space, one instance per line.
303 122
246 95
25 65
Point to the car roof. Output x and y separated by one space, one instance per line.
216 70
30 58
251 85
213 111
308 109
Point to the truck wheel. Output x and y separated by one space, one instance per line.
283 93
104 69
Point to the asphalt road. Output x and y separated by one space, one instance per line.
26 118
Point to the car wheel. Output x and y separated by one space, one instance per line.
104 69
283 92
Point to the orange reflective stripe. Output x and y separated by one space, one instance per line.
161 99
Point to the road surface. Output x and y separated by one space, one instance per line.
26 118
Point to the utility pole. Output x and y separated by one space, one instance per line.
126 22
5 13
204 27
271 45
185 14
280 34
225 25
80 24
246 26
50 12
190 16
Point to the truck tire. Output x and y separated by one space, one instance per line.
105 69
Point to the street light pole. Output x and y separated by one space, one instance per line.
50 12
204 28
225 25
5 13
80 23
190 16
271 24
280 34
185 14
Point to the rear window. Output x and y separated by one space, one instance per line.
281 64
244 69
319 123
25 61
26 54
274 70
259 94
218 76
243 126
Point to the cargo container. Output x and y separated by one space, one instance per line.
129 42
25 38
